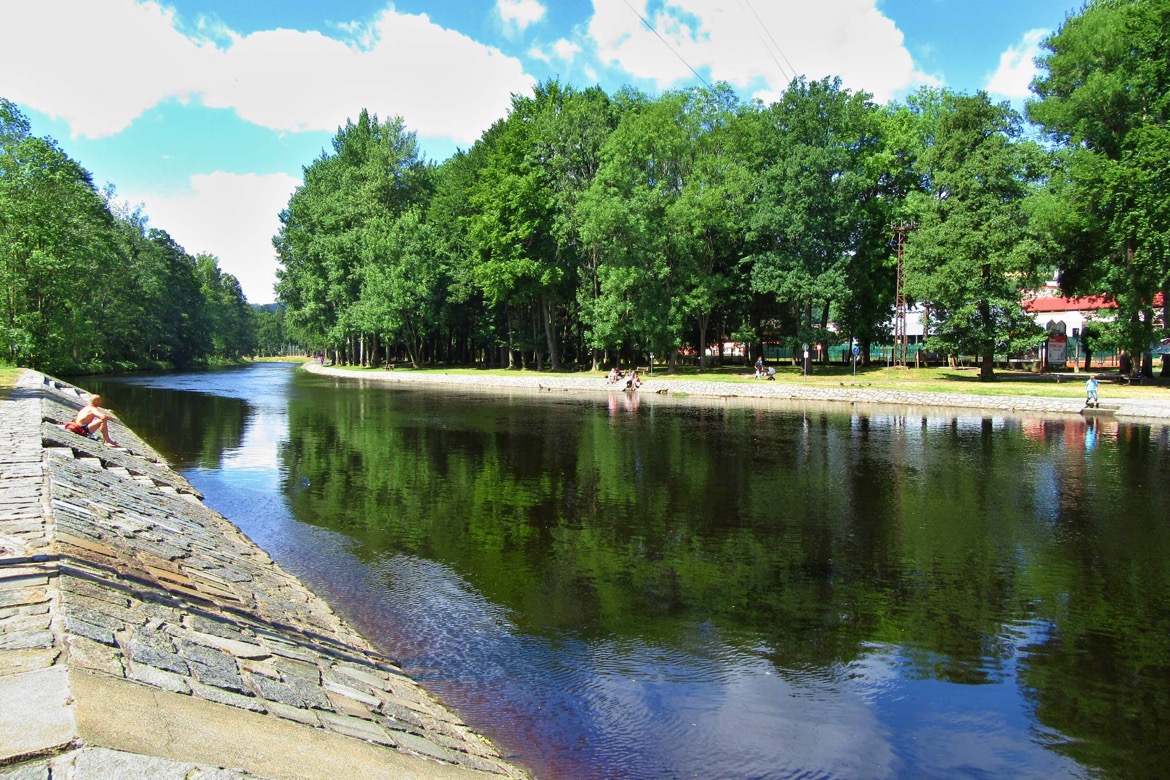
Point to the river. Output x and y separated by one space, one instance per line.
612 587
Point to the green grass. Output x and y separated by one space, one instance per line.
281 359
918 380
8 377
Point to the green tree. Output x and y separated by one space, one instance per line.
625 222
1104 94
818 224
664 218
534 167
232 328
973 250
57 253
402 282
374 171
271 338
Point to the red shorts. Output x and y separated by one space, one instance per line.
78 428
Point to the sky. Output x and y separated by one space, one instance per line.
205 112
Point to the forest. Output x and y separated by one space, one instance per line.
88 285
584 227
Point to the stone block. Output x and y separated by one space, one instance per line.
103 764
277 691
158 678
364 675
38 770
423 746
17 622
351 693
90 654
26 640
88 630
22 596
145 649
35 715
220 696
356 727
289 667
236 647
27 660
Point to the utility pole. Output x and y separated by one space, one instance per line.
900 230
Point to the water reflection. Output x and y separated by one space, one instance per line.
616 586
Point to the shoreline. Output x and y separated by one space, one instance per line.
1139 410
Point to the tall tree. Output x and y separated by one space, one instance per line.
57 252
403 282
230 317
818 222
973 251
373 171
1104 94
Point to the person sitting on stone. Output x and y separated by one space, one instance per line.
92 419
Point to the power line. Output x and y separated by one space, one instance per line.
764 27
666 43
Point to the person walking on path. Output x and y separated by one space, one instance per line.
1091 398
92 419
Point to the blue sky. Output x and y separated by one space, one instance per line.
205 111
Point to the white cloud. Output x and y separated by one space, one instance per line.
566 49
760 46
101 63
562 49
231 216
1017 67
520 13
97 65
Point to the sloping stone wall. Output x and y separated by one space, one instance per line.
137 625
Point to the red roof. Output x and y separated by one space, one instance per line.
1088 303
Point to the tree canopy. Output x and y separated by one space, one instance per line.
88 285
1104 100
584 227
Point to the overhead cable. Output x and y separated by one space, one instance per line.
667 44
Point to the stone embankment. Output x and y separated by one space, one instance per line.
143 635
1139 410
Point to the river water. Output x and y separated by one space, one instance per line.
612 587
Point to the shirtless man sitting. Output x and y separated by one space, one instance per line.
92 419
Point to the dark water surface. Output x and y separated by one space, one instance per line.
666 590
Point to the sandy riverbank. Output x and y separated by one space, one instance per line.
1139 410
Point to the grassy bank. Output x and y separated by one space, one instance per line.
918 380
8 377
281 359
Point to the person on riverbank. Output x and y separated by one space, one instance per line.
760 367
1091 398
92 419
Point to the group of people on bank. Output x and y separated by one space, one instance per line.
631 381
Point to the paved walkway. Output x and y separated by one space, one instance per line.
142 635
1138 410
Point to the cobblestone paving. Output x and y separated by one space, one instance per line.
1143 410
110 563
